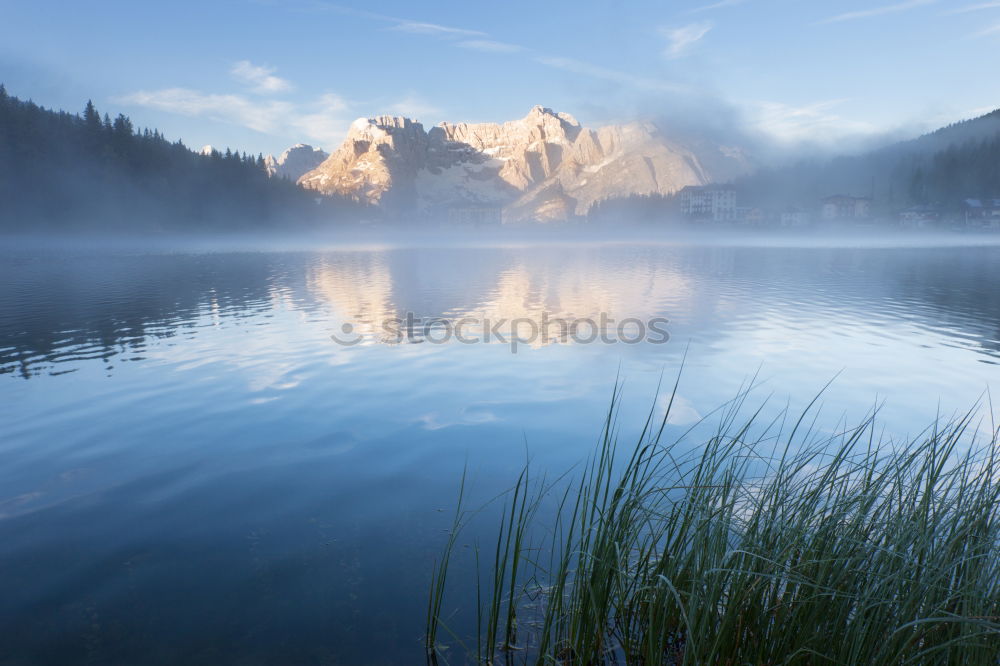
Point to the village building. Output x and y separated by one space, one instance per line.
982 213
710 202
794 217
919 217
841 207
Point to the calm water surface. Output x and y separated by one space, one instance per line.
192 471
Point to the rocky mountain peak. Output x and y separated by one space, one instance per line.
381 126
542 115
544 166
294 162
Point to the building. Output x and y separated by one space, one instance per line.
794 217
841 207
710 202
982 213
919 217
750 216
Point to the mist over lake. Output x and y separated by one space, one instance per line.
194 471
460 334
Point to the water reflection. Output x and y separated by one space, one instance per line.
191 471
62 309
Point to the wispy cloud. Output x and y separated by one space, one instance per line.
490 46
260 116
324 121
722 4
419 28
974 8
607 74
993 30
877 11
683 38
261 78
812 123
321 121
398 23
478 40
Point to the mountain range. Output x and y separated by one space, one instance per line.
543 167
62 171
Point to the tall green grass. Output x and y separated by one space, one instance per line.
770 543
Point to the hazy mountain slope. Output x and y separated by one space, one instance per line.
955 162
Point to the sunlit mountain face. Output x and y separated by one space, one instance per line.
544 167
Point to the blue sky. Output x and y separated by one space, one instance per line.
259 75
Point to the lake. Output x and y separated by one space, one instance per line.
193 469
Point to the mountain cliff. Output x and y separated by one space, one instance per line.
543 167
294 162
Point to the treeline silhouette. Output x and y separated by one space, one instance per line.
636 208
63 171
970 170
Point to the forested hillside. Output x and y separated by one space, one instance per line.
62 171
943 168
940 169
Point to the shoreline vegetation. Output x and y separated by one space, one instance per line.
770 543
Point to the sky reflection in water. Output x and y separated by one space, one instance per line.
190 465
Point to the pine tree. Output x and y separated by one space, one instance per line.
91 118
71 168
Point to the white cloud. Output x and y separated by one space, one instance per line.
877 11
722 4
683 38
433 29
988 31
975 8
481 41
261 78
490 46
236 109
812 123
604 73
323 121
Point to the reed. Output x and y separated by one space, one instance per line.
769 543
